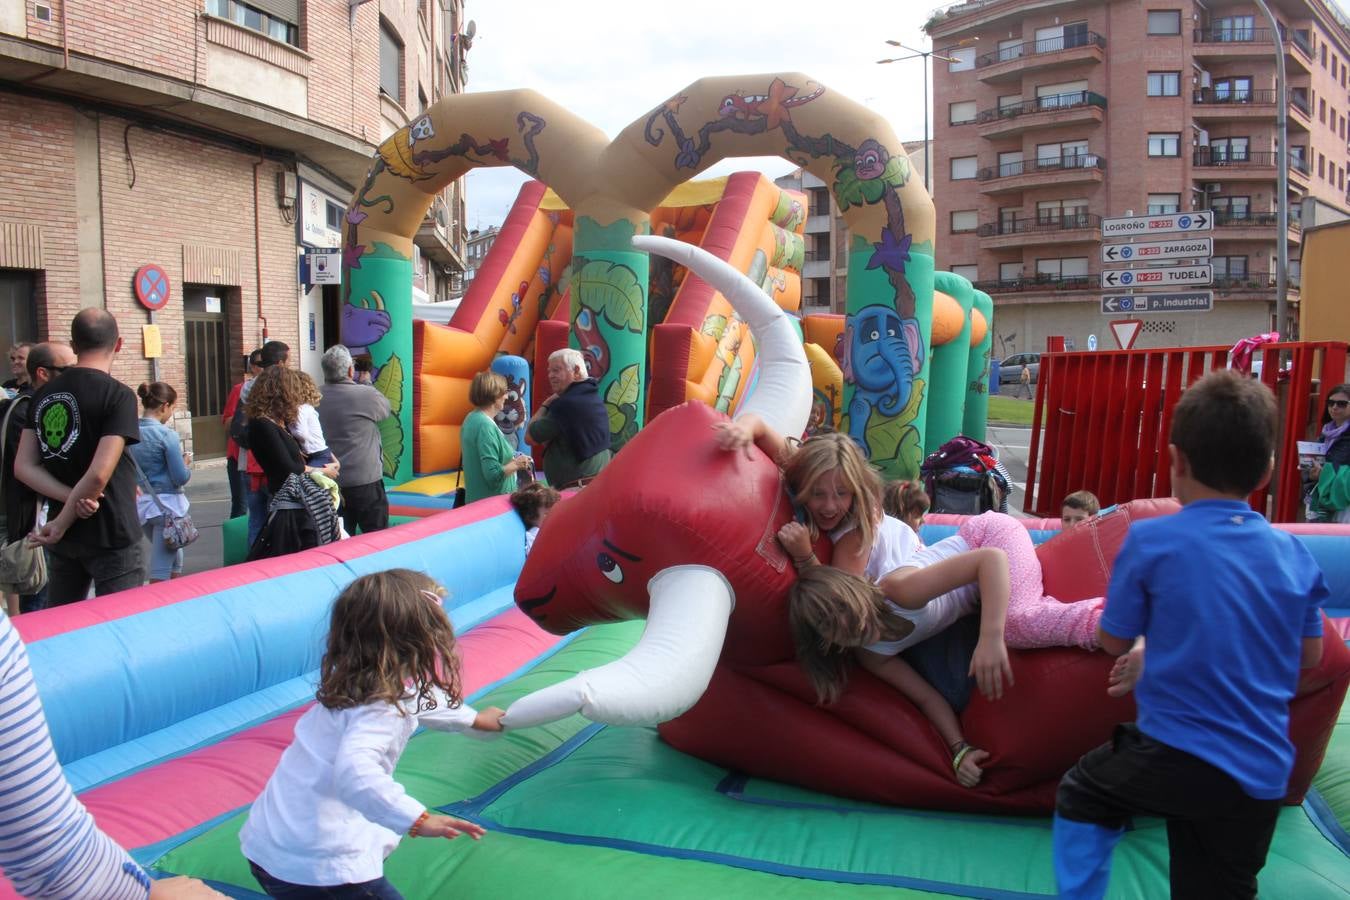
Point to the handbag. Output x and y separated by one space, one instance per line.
179 531
23 566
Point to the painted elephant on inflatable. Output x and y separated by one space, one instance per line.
681 533
882 355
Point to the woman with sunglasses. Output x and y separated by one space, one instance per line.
1329 482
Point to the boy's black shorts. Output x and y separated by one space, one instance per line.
1218 835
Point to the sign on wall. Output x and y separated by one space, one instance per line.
315 228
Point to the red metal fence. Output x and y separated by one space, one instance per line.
1102 420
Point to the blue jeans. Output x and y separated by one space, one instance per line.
164 563
379 889
257 502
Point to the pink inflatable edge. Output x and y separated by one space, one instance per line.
230 774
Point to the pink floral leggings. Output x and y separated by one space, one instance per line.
1034 620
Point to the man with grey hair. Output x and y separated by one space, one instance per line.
572 426
350 415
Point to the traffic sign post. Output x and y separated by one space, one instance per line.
1182 248
1129 226
1117 278
1191 301
1126 331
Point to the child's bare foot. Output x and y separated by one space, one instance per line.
1125 673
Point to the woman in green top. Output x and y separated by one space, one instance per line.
490 465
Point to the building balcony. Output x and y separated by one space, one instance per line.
1208 105
1249 285
1040 230
1078 168
1076 108
1252 226
1011 63
1300 112
1209 164
1041 284
1240 43
435 238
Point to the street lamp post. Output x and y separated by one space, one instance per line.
925 54
1282 165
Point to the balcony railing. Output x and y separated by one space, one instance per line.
1249 281
1210 156
1039 283
1070 100
1300 102
1047 164
1035 48
1250 220
1229 34
1219 97
1040 224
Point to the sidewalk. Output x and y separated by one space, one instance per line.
209 495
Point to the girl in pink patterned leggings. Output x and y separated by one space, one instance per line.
989 564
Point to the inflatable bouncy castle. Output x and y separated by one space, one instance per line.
564 272
170 704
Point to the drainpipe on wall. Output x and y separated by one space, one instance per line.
257 244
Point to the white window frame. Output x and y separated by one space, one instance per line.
1159 22
962 59
1163 204
964 168
1163 140
968 271
1163 80
962 112
1006 274
964 221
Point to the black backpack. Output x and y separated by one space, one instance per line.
239 427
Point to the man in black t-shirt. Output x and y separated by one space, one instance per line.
73 454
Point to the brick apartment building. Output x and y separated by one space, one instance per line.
1052 114
216 139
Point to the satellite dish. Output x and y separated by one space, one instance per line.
471 29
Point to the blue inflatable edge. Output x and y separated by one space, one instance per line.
128 692
218 724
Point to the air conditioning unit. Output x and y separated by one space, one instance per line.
1213 187
1204 79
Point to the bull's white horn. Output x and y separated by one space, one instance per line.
664 674
782 396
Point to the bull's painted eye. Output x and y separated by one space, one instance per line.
609 568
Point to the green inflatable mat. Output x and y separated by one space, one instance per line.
581 810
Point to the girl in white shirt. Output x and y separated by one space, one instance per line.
332 811
989 565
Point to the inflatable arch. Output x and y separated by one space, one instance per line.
612 187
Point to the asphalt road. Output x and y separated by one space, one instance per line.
1013 443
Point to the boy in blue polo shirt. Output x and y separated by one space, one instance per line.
1229 608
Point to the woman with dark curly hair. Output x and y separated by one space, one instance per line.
273 404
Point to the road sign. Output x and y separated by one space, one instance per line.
1092 342
151 286
1127 226
1191 301
1179 248
1125 331
1124 278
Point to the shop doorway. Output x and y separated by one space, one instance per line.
206 343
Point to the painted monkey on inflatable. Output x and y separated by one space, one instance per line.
715 666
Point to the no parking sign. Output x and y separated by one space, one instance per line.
151 286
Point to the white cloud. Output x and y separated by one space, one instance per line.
611 61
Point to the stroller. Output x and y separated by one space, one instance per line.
964 477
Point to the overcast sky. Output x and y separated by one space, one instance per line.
611 61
